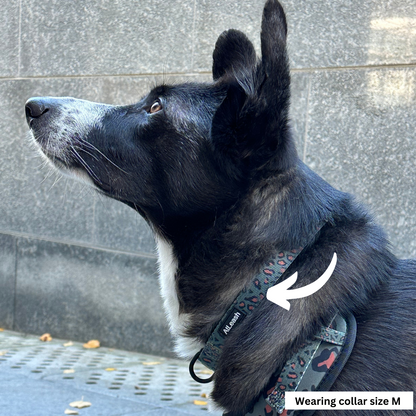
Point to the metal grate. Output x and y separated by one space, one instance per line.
139 377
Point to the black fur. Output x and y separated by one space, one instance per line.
216 173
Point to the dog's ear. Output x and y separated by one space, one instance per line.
273 40
275 86
273 93
252 121
233 52
234 66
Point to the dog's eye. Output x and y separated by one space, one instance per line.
156 106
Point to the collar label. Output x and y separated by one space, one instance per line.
231 321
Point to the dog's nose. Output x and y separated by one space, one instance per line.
35 107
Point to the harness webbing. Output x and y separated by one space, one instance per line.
315 366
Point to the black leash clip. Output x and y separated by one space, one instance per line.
192 372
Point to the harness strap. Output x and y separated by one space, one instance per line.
310 368
316 365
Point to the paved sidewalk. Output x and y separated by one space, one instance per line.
42 379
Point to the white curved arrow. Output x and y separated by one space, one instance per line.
280 293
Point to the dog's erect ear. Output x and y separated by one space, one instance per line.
273 38
275 86
233 52
252 122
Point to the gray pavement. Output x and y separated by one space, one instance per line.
42 379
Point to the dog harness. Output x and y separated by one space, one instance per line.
314 367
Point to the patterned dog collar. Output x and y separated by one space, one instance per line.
245 303
314 367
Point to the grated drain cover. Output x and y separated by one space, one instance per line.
133 376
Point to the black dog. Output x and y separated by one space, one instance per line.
214 171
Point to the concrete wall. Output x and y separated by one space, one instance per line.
80 266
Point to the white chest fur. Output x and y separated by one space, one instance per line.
185 347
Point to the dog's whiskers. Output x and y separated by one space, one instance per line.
95 149
85 165
87 152
49 174
57 179
81 149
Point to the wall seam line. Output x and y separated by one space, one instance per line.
16 254
206 73
305 135
77 244
193 36
19 41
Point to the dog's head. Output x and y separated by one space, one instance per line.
186 152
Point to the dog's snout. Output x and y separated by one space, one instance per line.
35 108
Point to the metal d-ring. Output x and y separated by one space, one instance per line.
192 373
